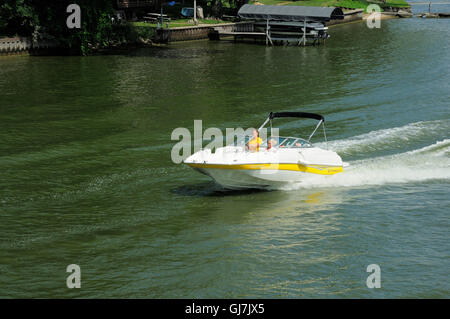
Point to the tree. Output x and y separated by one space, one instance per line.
96 23
217 6
25 17
17 17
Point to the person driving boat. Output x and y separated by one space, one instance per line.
255 142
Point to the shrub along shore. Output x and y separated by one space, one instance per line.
35 19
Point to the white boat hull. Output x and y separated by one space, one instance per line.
246 179
235 169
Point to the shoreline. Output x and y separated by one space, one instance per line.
24 46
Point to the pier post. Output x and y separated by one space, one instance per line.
268 38
195 12
304 32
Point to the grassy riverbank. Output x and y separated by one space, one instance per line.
352 4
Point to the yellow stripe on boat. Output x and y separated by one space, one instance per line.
315 169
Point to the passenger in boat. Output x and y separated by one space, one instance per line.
255 142
270 144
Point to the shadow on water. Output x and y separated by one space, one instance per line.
211 189
249 204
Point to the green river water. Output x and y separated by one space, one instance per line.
86 175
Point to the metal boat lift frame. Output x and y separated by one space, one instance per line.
287 17
300 41
268 35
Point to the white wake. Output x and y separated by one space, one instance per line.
431 162
390 138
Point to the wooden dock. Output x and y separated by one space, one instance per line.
270 37
430 14
243 34
217 34
434 15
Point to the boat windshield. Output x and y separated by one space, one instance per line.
289 142
276 142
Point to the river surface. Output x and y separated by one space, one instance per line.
86 175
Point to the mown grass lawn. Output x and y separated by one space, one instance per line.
353 4
175 23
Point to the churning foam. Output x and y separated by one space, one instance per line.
431 162
389 138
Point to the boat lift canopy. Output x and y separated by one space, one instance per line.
290 13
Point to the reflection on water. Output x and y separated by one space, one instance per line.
283 202
164 52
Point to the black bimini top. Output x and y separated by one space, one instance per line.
315 116
290 13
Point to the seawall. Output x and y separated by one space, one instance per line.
199 32
17 45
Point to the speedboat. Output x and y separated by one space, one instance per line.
276 161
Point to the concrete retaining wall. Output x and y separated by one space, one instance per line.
200 32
